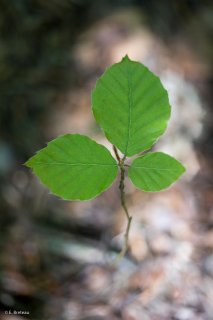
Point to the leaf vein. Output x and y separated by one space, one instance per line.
129 79
76 164
154 168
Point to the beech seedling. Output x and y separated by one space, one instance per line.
132 107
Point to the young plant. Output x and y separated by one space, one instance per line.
132 107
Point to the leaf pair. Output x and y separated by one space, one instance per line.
132 107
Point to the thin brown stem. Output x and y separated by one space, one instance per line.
122 165
123 204
116 154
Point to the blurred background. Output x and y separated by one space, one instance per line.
54 254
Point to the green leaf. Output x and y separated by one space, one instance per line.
74 167
155 171
131 106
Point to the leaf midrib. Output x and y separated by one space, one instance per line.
76 164
154 168
129 110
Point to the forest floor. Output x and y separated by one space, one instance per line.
58 255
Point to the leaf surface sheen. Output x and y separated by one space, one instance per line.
74 167
131 106
155 171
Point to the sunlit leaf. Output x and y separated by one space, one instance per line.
74 167
131 105
155 171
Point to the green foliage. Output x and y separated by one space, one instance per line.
132 107
75 167
155 171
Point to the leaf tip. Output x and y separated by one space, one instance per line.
28 163
183 168
126 58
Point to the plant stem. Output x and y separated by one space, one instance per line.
123 204
116 154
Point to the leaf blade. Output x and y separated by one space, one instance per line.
155 171
74 167
131 106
